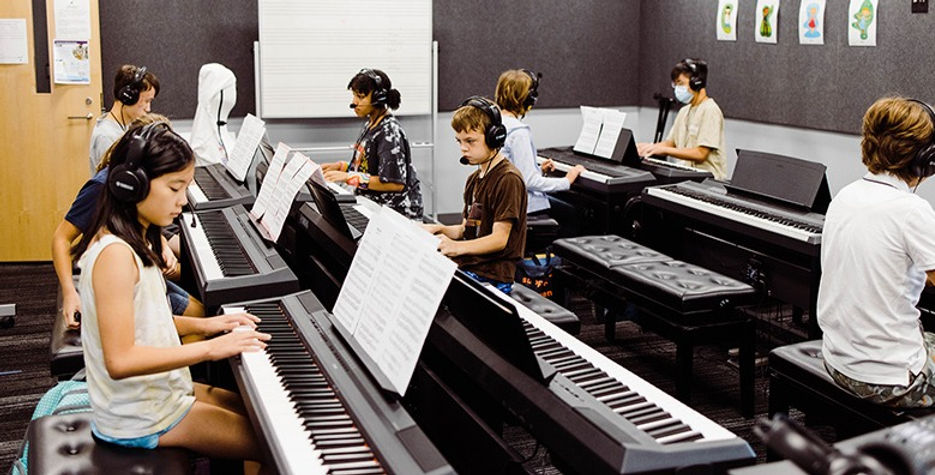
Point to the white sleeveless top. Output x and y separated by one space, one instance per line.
140 405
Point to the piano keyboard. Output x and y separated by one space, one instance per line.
207 186
314 407
589 173
357 216
656 422
772 220
313 430
218 250
665 163
229 260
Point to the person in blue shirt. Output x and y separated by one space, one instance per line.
76 221
517 92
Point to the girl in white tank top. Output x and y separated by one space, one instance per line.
140 388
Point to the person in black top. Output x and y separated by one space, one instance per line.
381 168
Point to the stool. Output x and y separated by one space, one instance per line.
67 357
63 444
540 232
684 303
797 378
547 309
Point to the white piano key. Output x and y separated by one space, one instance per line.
202 247
564 167
195 195
288 434
338 189
755 221
707 428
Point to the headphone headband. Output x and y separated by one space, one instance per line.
495 133
923 164
129 94
533 94
698 78
380 92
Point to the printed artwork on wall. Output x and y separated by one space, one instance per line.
862 23
726 24
767 21
812 22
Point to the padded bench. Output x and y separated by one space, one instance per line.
540 232
683 302
67 358
547 309
797 378
63 444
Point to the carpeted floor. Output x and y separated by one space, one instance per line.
24 364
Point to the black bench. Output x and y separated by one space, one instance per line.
685 303
540 232
67 357
797 378
63 444
547 309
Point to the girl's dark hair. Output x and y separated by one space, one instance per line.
362 83
165 152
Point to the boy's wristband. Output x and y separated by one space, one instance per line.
358 180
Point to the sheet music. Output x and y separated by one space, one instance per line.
610 132
251 132
590 130
294 175
265 195
392 292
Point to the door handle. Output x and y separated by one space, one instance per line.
87 116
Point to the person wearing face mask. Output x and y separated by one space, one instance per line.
381 168
697 135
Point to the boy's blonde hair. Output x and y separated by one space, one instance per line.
512 88
470 119
894 130
144 119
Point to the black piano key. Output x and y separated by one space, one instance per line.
676 429
357 471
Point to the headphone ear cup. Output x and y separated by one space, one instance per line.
924 163
495 136
129 95
129 186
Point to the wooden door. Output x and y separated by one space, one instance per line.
43 152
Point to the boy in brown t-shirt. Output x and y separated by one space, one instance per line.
490 239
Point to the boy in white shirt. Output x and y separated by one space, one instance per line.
877 254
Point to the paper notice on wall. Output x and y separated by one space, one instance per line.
72 62
13 46
73 19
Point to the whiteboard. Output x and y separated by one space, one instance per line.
310 50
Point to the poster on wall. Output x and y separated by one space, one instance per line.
862 23
72 62
766 26
726 20
812 22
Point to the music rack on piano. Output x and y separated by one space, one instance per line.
314 405
214 187
343 195
229 259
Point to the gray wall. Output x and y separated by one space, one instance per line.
821 87
587 50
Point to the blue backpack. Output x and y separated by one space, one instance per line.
66 397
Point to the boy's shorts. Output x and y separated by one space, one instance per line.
505 287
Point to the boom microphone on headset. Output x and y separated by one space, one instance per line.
353 106
464 161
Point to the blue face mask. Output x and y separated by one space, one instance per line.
682 94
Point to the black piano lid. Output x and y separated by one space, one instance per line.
791 181
494 321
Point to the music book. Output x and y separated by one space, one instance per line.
280 189
599 132
251 132
590 130
391 295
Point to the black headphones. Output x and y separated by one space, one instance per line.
128 181
923 164
130 93
699 73
495 134
533 95
380 93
